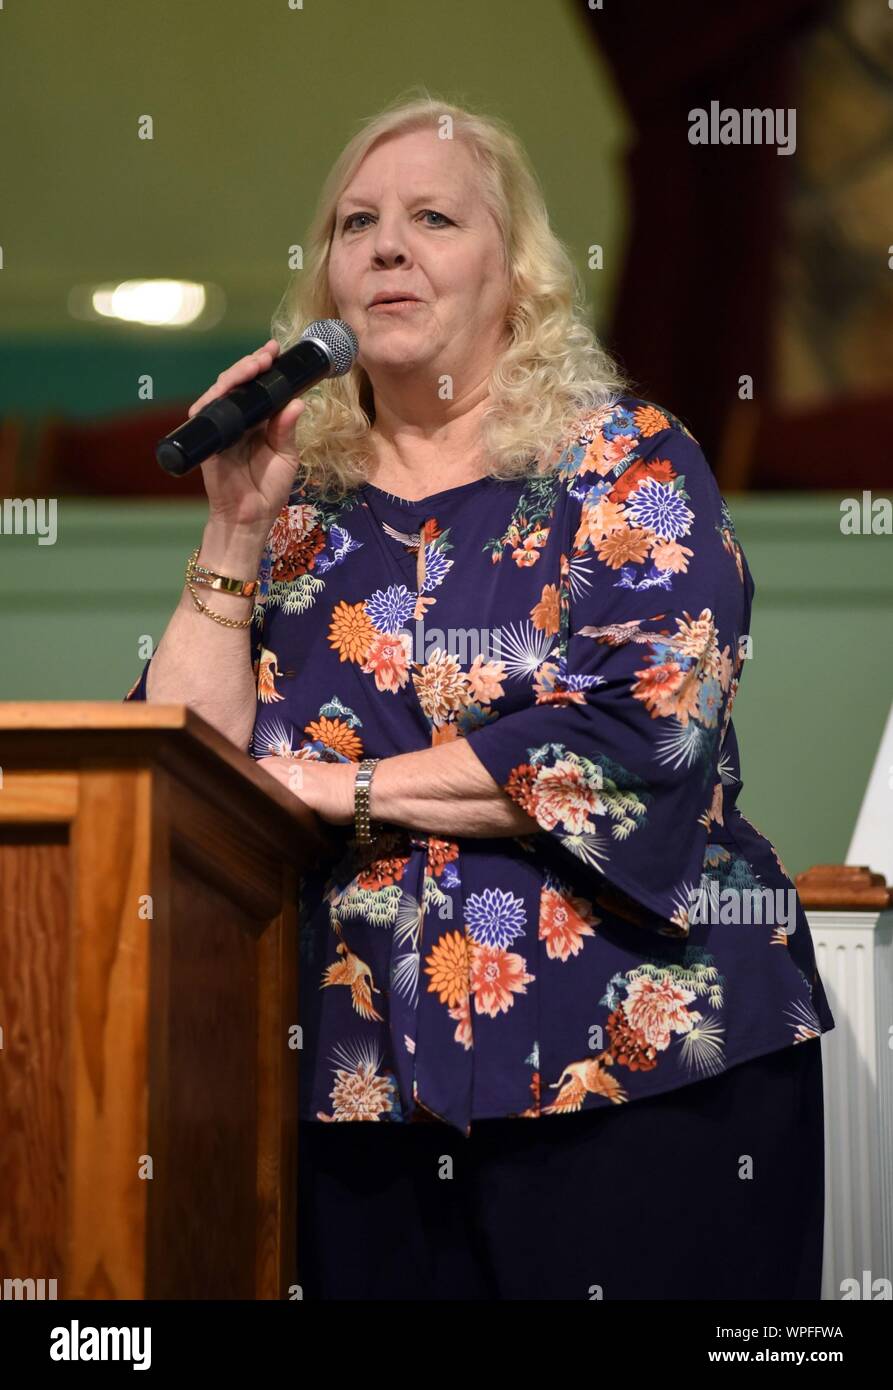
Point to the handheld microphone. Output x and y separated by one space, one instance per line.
327 347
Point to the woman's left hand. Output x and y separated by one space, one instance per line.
327 788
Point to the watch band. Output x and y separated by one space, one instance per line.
366 830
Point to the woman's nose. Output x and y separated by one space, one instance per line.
389 245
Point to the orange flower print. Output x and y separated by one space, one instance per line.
697 637
337 735
529 552
562 794
649 420
447 964
624 547
359 1096
351 631
656 687
686 703
564 921
462 1016
521 787
670 555
545 614
657 1009
388 660
659 469
359 1093
497 975
381 873
693 693
598 521
295 541
604 454
441 687
629 1048
440 853
485 680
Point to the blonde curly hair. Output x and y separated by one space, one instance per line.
553 368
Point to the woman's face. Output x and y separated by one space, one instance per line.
412 221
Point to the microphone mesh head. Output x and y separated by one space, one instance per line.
339 341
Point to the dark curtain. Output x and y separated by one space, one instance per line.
695 302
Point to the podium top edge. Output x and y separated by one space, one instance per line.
18 715
44 732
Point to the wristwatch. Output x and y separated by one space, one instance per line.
367 830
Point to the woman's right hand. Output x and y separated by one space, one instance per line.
249 484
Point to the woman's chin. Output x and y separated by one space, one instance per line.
397 359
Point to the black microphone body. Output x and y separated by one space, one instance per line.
328 348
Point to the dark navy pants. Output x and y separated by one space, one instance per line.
712 1191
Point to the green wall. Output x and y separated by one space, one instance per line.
251 103
809 712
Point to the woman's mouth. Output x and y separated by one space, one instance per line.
391 305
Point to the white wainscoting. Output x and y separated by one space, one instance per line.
854 952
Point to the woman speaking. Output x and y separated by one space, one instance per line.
501 619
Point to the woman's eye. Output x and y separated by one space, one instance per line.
426 212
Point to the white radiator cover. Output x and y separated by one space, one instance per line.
854 954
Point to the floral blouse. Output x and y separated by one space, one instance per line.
585 630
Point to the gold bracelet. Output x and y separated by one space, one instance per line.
217 617
201 574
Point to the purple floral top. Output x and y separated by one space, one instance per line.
586 632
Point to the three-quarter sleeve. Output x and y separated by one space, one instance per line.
617 757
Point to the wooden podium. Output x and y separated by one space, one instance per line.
148 997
